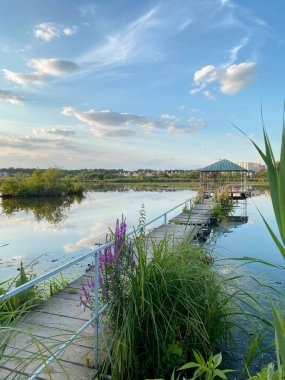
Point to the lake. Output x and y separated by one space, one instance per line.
53 231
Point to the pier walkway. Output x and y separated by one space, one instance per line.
60 328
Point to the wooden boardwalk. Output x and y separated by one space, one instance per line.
50 325
43 330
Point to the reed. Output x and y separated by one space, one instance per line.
174 302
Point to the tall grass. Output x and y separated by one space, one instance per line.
173 303
276 176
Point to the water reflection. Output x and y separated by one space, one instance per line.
52 210
152 187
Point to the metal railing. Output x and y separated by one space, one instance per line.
97 311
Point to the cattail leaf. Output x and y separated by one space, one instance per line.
274 237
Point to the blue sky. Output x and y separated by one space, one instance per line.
138 84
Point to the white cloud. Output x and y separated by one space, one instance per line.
24 78
45 68
47 31
9 97
114 124
196 120
196 90
53 131
105 118
69 31
109 132
236 77
231 78
208 95
53 67
184 129
168 117
206 74
97 234
32 143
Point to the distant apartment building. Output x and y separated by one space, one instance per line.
251 166
3 174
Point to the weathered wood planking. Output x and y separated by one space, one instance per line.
173 234
200 214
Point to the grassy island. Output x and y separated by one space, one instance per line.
42 183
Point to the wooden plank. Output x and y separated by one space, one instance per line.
74 372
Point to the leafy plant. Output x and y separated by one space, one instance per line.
276 176
207 368
268 373
204 369
56 285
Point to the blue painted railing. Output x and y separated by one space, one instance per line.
97 311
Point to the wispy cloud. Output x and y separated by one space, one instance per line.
87 9
24 78
54 131
123 46
47 31
10 97
235 50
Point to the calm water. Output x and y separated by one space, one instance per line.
53 232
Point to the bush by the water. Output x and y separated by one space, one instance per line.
49 182
162 306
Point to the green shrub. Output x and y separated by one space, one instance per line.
173 302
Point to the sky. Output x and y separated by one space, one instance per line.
138 84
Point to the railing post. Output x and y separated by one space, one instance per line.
96 309
165 220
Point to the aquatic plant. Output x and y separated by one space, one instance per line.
116 264
276 177
162 304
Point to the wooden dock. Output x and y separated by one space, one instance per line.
44 329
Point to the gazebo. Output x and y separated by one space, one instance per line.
219 175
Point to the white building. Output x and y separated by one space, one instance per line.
251 166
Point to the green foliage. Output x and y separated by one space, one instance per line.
276 176
224 205
49 182
24 300
279 325
173 303
268 373
207 369
56 285
204 369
